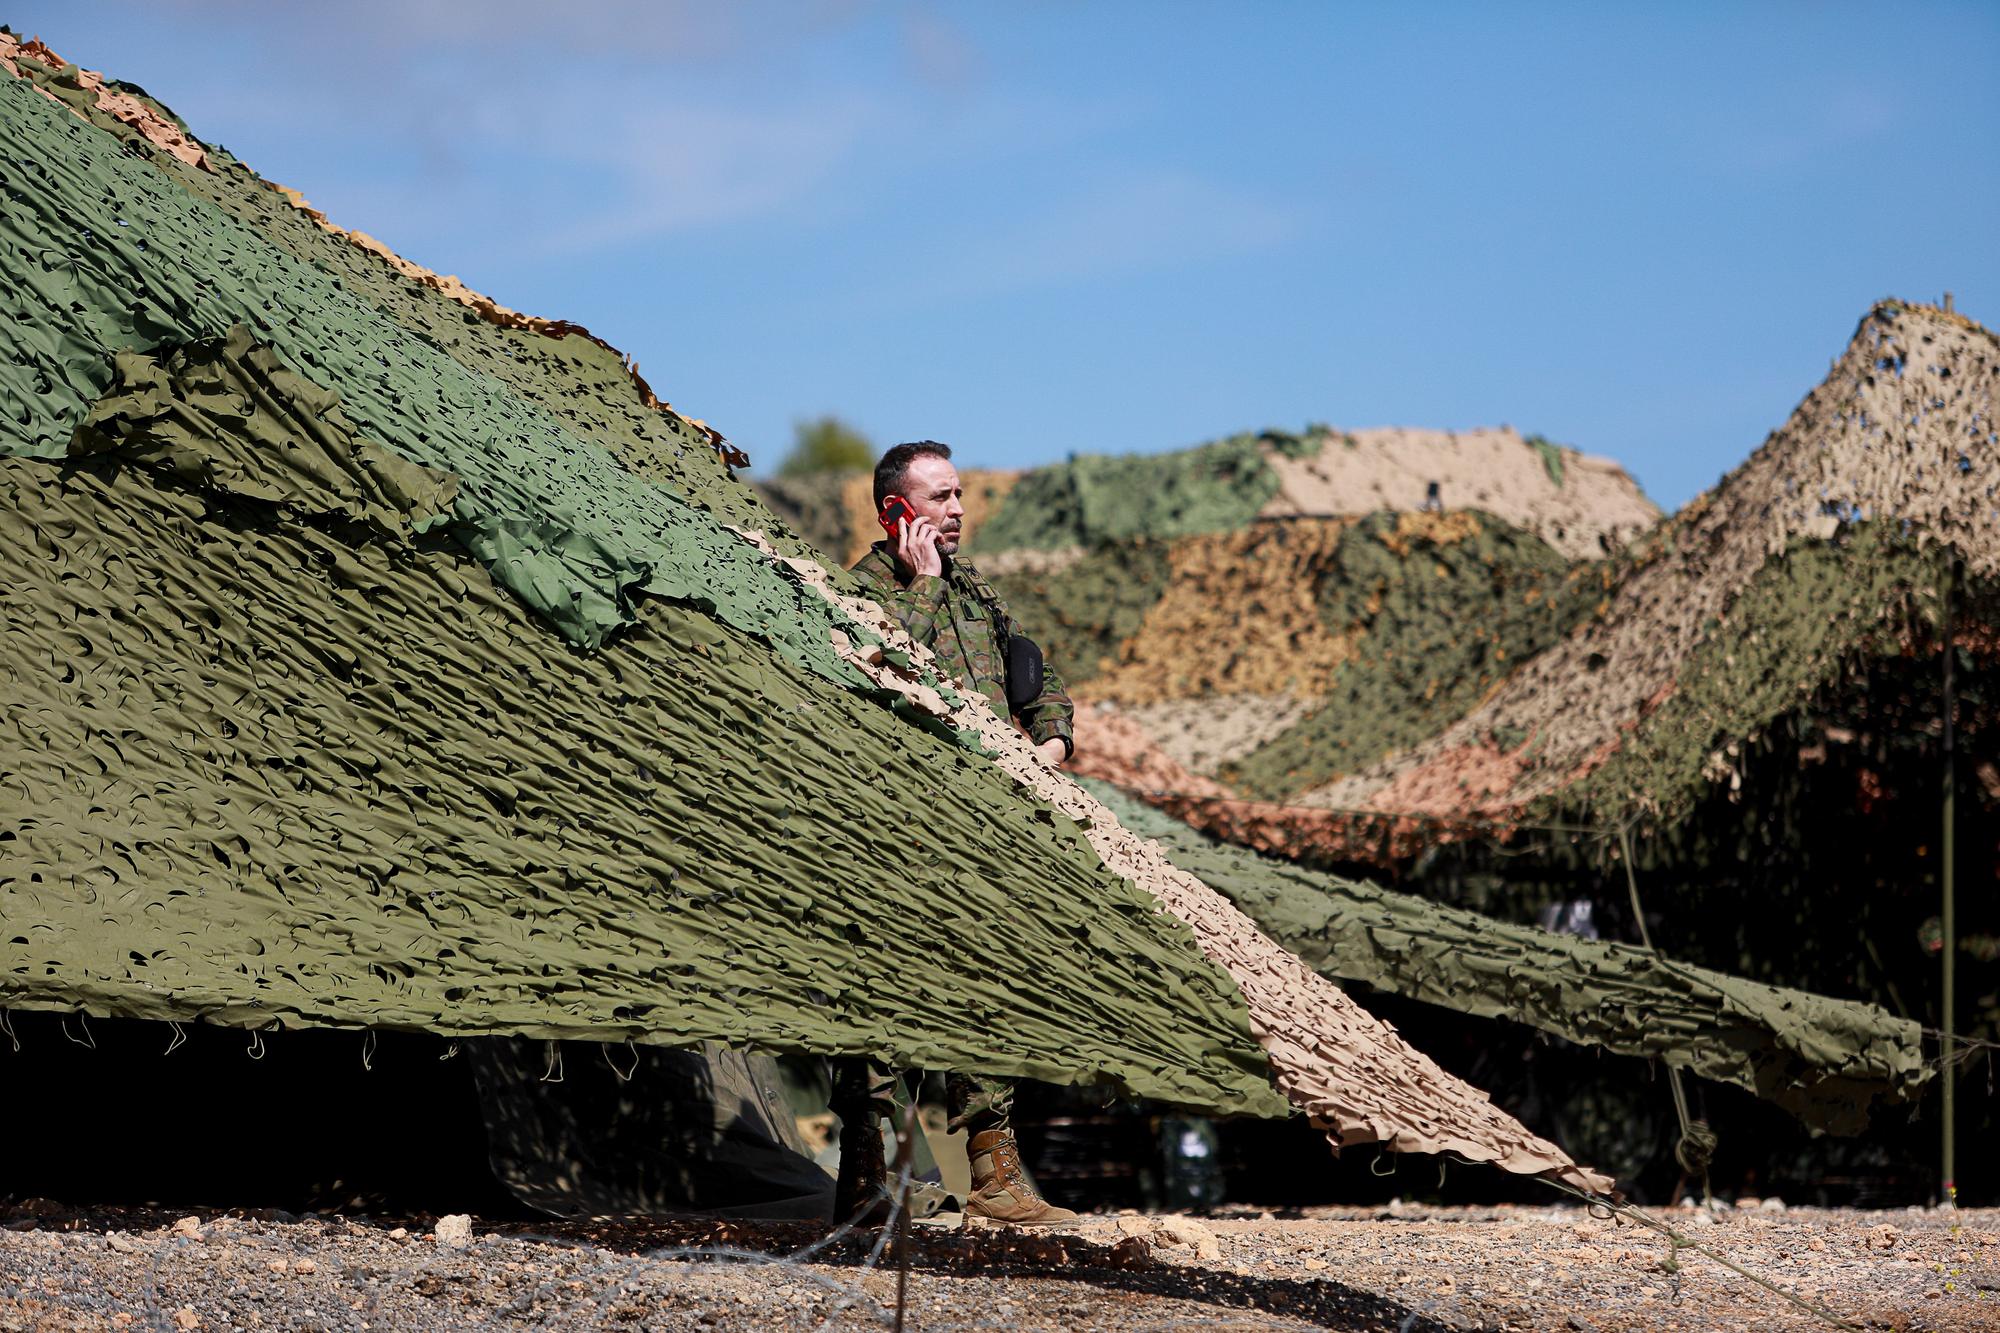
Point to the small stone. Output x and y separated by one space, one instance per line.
120 1242
1933 1294
1815 1244
1749 1203
124 1320
305 1266
277 1265
1186 1231
1130 1224
454 1231
1585 1253
186 1319
400 1233
1131 1252
188 1226
1774 1206
1315 1265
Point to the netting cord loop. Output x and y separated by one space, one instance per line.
1695 1149
1678 1241
622 1075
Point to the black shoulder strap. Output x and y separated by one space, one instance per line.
976 583
1021 654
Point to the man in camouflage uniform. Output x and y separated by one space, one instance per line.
945 605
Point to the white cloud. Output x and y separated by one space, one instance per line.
1136 222
668 168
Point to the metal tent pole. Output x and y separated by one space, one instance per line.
1950 913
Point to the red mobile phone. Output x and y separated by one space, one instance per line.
895 509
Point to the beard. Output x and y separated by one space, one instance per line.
948 540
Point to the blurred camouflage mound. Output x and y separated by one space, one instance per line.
1450 660
1049 518
1448 677
1503 692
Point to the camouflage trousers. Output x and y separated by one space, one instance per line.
975 1103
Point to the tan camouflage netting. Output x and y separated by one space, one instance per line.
1582 505
1347 1070
1901 436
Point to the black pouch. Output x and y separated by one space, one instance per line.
1024 671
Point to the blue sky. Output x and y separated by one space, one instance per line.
1038 228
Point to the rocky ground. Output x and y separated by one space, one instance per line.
1401 1268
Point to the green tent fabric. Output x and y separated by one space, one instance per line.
288 738
1825 1060
261 774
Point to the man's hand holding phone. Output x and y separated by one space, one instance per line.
917 547
914 537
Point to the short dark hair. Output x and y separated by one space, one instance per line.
889 473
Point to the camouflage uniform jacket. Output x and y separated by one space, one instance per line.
954 615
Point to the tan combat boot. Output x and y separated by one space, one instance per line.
1001 1190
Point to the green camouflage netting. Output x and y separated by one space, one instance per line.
1787 635
288 519
115 256
1822 1059
281 751
1213 488
1437 617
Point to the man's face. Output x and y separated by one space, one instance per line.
931 486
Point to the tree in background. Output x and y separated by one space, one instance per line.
827 444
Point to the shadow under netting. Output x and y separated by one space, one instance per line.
133 1112
100 1112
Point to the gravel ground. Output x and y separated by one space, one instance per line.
1402 1268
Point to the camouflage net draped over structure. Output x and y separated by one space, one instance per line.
291 756
285 523
1464 678
1583 506
1893 457
1822 1059
1517 711
278 777
1214 488
1350 1073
